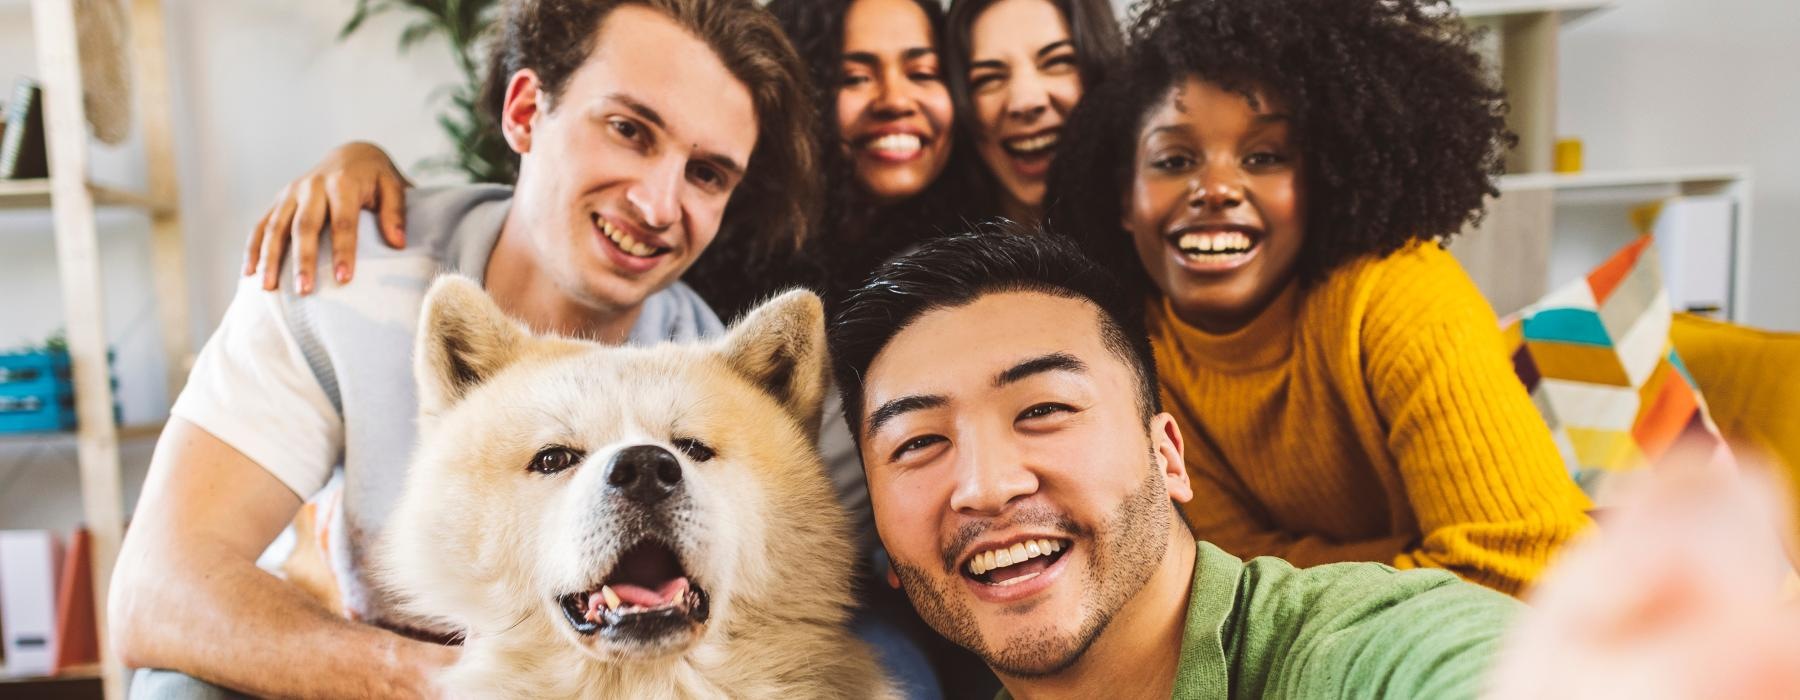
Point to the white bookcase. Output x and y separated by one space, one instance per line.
71 195
1526 235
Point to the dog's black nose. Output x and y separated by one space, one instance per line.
644 473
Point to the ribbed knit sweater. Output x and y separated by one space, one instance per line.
1373 416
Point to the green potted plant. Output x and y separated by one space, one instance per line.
481 153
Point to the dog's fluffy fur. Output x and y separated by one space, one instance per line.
483 543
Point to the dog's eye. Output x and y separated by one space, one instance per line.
551 460
695 449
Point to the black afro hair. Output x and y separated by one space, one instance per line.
1398 121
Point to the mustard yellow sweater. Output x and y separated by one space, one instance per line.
1371 417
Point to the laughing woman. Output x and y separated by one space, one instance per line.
887 134
1016 69
1278 176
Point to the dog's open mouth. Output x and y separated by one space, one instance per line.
648 595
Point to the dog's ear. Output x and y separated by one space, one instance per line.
464 339
780 346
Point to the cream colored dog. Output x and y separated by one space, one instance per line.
626 522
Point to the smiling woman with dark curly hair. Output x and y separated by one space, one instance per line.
1278 177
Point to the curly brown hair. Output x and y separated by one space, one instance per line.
780 191
1398 119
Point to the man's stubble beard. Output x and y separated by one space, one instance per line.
1127 549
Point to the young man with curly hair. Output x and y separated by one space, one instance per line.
1027 486
1277 178
638 124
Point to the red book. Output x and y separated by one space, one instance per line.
77 634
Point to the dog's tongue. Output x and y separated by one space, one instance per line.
632 594
638 596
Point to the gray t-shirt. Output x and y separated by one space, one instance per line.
319 389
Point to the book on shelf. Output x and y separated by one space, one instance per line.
77 627
29 563
22 146
1694 238
47 620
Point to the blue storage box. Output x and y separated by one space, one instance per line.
27 414
37 393
19 367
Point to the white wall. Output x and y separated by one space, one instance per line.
261 89
1656 83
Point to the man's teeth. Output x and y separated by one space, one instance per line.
1016 554
1221 242
897 143
1033 144
624 242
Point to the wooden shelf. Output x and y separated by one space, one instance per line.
35 194
126 433
58 35
1608 179
84 672
78 683
1570 10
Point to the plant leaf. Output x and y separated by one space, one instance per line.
416 32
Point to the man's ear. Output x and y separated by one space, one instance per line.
780 347
1165 442
518 116
464 340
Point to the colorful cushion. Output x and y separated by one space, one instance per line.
1596 357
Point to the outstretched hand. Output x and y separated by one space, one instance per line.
1678 595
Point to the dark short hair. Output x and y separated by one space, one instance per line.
780 189
1399 125
951 272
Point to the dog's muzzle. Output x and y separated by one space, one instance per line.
648 598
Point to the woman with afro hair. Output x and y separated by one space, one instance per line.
1279 177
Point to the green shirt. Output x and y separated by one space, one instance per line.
1265 629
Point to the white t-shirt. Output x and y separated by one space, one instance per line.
319 389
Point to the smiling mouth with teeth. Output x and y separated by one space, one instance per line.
1015 564
1214 246
624 241
648 597
1031 146
895 145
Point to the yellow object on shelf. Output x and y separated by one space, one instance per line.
1568 155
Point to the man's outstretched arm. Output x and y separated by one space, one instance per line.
187 594
1365 630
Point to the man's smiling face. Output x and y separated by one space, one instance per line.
1020 490
626 174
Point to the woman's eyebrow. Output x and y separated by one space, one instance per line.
1054 45
1176 128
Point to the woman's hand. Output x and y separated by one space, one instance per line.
353 177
